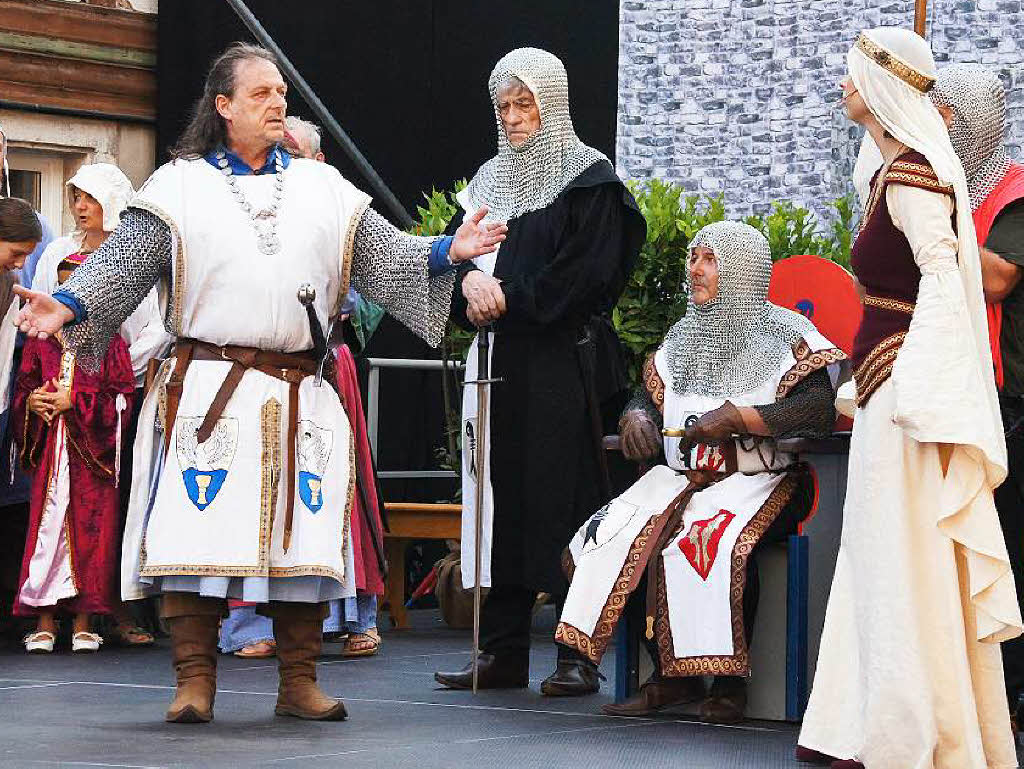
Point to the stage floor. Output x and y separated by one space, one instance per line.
106 710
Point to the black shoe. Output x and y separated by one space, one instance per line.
572 678
504 672
726 702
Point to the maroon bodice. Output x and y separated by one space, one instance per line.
883 262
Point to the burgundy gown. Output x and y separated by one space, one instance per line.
91 426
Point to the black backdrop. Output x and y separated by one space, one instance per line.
407 80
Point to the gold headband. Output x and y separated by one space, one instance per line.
891 63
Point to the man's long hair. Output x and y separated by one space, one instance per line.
206 129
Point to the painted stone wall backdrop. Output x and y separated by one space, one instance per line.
741 96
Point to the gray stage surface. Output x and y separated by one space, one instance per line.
106 710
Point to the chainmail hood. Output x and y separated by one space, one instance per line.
976 96
735 342
529 177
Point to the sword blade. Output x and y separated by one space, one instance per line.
483 427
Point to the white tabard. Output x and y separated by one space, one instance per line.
217 509
705 557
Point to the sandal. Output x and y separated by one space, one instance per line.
131 635
39 642
85 642
362 644
257 651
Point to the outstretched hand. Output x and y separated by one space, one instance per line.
41 315
474 239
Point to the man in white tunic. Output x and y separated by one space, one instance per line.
735 374
243 486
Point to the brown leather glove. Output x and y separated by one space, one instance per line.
639 436
713 428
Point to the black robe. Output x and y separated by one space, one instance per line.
562 269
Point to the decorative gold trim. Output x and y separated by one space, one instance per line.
887 303
807 363
172 323
348 250
877 366
914 179
270 473
593 647
894 65
653 382
737 664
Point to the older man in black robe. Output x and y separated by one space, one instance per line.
574 233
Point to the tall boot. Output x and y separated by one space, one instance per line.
194 624
194 650
298 629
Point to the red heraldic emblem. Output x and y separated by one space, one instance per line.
700 545
709 458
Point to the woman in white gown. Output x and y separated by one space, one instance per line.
909 674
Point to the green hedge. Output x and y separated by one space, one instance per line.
654 297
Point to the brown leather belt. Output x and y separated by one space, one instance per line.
288 367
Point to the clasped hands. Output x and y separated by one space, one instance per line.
485 301
641 440
49 403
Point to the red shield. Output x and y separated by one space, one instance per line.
709 458
700 545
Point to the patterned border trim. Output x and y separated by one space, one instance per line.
737 664
914 179
886 303
892 63
807 363
172 321
593 647
348 250
653 383
877 366
270 474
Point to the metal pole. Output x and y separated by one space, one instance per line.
482 428
334 128
920 16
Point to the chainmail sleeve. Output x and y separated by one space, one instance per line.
390 267
641 401
114 281
808 411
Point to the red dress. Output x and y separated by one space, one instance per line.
88 433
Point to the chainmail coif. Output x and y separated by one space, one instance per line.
529 177
976 96
735 342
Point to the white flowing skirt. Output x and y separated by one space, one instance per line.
901 682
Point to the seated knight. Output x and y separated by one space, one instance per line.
732 377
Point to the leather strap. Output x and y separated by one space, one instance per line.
183 352
292 471
288 367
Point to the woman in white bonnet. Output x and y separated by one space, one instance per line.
909 674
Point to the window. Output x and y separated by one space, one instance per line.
38 177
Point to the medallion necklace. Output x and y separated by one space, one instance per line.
264 221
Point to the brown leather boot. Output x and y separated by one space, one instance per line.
726 702
656 694
299 639
194 651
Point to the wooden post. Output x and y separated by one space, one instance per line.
920 16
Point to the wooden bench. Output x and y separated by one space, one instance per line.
408 521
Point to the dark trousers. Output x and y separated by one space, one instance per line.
1009 500
505 620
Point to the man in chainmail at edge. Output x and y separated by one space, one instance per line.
574 234
972 101
733 376
242 486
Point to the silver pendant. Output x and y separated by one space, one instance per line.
269 244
